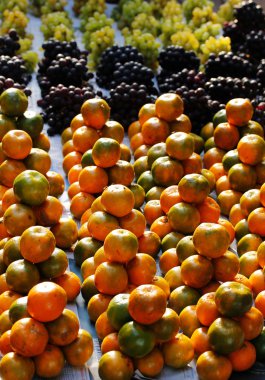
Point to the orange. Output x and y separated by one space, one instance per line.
188 320
118 200
18 218
93 179
151 364
227 199
249 242
248 263
64 329
55 265
136 141
226 136
251 323
167 326
257 280
249 201
74 173
110 343
181 124
28 337
103 326
193 188
50 362
106 152
251 149
193 164
178 352
212 156
9 170
252 127
169 106
39 160
179 145
123 365
242 177
7 298
211 240
120 245
150 243
80 203
16 144
5 342
260 171
200 340
9 199
111 278
239 111
218 332
169 196
141 269
261 254
207 131
49 212
80 350
233 299
147 111
95 112
183 296
65 233
134 222
42 142
260 302
37 244
21 275
97 305
71 159
262 194
56 183
226 267
100 224
154 130
218 170
84 138
211 366
235 214
243 358
168 260
196 271
121 173
13 102
209 210
156 151
153 211
256 220
210 178
6 124
147 304
184 217
139 195
114 130
206 309
134 128
185 248
77 122
46 301
13 363
136 340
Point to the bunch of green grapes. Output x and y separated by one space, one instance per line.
20 5
53 6
146 23
186 39
92 6
146 43
171 9
98 21
131 9
207 30
226 10
14 20
31 59
170 26
202 15
215 46
189 5
158 6
25 43
57 25
100 40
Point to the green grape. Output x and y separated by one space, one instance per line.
171 9
100 40
117 10
20 5
14 20
98 21
131 9
31 59
202 15
146 23
146 43
170 26
158 6
207 30
90 7
25 43
189 5
53 6
57 25
226 10
215 46
186 39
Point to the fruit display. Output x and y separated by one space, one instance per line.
154 231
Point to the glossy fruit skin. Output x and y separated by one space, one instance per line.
80 350
136 340
225 336
21 275
13 364
31 122
13 102
31 187
211 366
178 352
64 329
117 311
233 299
50 362
115 359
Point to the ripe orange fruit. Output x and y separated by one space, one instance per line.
13 102
180 145
12 363
95 112
243 358
106 152
93 179
147 304
178 352
196 271
184 217
212 366
123 365
147 111
239 111
169 106
226 136
120 246
251 149
154 130
256 220
80 350
141 269
111 278
193 188
118 200
46 301
16 144
151 364
50 362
